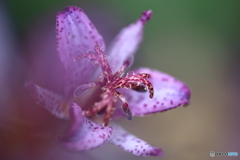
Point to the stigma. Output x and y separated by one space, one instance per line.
110 83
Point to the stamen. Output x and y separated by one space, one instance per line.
106 104
99 51
97 106
126 110
123 68
128 81
99 60
109 111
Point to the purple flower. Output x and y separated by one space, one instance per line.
96 84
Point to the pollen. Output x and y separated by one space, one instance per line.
110 83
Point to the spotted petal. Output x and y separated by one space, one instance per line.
47 99
132 144
84 134
76 35
127 41
169 93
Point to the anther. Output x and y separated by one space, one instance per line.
127 111
139 88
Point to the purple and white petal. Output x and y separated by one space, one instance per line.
84 134
127 41
132 144
169 93
53 102
76 35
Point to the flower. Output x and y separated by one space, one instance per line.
96 84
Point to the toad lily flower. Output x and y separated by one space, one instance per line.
96 83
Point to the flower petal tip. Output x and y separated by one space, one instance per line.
73 8
32 88
28 84
187 91
51 101
157 152
146 16
132 144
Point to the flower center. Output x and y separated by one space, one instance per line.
110 83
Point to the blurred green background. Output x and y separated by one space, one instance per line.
195 41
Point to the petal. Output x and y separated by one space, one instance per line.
169 93
132 144
84 134
76 35
127 41
53 102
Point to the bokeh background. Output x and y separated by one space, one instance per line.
196 41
